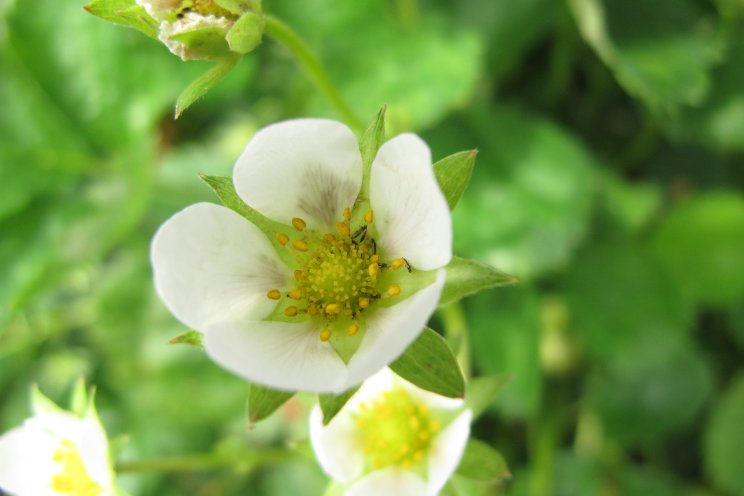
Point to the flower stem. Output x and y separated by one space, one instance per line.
202 461
287 36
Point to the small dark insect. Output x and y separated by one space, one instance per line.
374 246
360 233
382 265
408 265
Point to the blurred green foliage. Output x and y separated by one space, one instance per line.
609 179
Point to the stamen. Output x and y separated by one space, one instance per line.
329 238
298 223
397 263
312 310
282 238
291 311
332 308
353 329
295 294
343 229
369 216
363 303
299 275
274 294
299 245
325 334
347 214
373 269
393 290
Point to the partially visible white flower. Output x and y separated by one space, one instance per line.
56 453
191 22
335 283
392 438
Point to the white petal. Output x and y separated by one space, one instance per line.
446 451
211 264
308 168
436 401
389 482
277 354
390 331
337 445
26 465
411 213
93 446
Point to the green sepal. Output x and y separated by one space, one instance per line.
430 364
191 338
246 33
481 462
204 43
125 13
453 174
371 141
482 391
79 403
225 191
239 7
40 403
331 404
199 86
466 277
263 401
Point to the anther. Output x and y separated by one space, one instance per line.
282 238
343 228
369 217
393 290
274 294
298 223
332 308
347 214
325 334
299 245
312 310
353 329
363 302
299 275
373 269
330 238
290 311
295 294
374 259
397 263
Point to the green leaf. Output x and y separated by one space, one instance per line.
126 13
201 85
371 140
331 404
246 33
453 174
466 277
483 463
724 438
482 391
661 52
263 401
192 338
701 244
430 364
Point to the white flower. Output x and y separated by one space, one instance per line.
392 438
56 453
330 283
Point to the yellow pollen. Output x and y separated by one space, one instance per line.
397 263
343 229
393 290
274 294
74 479
299 245
299 224
295 294
291 311
373 269
299 275
282 238
325 334
353 329
312 310
369 216
329 238
347 214
374 259
363 302
332 308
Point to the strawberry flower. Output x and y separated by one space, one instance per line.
334 275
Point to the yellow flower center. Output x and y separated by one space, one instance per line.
74 479
396 429
338 274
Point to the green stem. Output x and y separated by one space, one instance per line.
456 331
289 38
202 461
